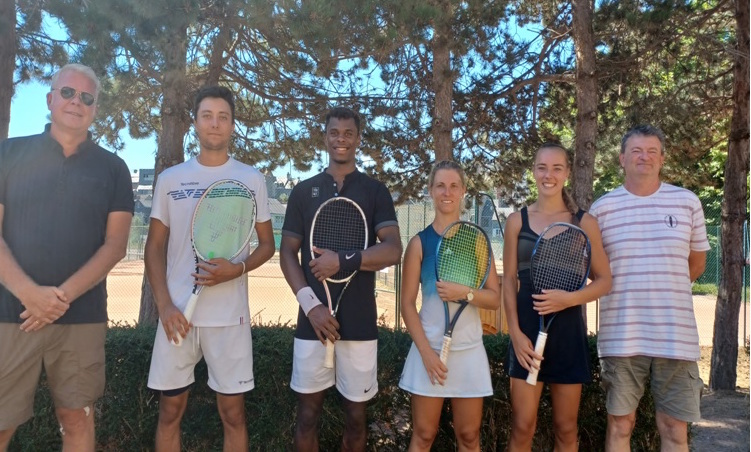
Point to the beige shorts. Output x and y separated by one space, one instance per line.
72 357
355 371
675 385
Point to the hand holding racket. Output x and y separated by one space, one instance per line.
221 228
339 225
560 261
462 257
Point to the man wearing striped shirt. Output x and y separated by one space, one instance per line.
655 237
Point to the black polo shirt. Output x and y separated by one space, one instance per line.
357 313
55 215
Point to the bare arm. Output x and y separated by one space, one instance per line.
155 260
523 347
289 260
489 297
265 249
387 252
219 270
323 323
43 303
107 256
602 280
697 263
99 265
410 284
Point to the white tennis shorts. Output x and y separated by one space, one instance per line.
228 352
355 371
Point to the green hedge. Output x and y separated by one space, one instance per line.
127 414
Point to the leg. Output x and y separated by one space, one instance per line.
309 407
355 430
676 388
5 437
618 435
467 422
232 411
673 433
171 410
623 379
565 415
21 358
77 428
525 399
426 413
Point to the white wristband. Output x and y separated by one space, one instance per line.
243 262
307 299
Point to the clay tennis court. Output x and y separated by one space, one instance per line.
272 302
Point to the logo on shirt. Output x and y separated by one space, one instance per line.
671 221
186 193
315 192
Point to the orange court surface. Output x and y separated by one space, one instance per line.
272 301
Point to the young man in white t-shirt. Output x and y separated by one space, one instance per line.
656 239
221 321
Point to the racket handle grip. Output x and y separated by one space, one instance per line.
542 338
445 349
190 308
329 361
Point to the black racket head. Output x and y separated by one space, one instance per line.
560 259
339 225
463 255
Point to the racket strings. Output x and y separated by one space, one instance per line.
560 261
339 226
463 255
223 221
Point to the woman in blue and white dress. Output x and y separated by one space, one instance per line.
465 379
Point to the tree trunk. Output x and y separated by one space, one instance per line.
7 62
175 119
586 103
443 85
725 342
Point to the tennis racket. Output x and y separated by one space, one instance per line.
463 257
221 228
560 261
338 225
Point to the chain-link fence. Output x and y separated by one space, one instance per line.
272 302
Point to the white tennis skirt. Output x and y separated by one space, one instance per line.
468 375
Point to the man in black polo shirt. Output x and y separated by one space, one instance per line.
65 211
354 328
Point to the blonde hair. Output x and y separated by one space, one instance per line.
447 165
568 199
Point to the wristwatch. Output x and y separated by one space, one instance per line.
471 295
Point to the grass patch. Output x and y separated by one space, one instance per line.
704 289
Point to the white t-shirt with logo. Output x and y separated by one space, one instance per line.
176 195
649 310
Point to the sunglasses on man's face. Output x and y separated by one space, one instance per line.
67 93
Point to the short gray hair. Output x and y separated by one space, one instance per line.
81 69
644 130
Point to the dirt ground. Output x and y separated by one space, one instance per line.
725 414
